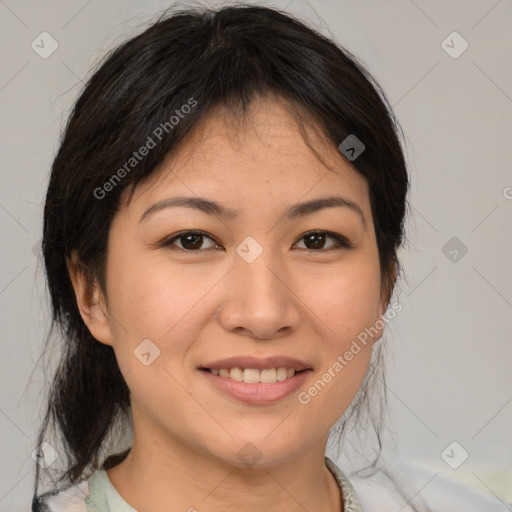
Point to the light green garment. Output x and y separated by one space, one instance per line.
103 496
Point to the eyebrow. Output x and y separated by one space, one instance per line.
213 208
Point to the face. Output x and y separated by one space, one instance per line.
254 283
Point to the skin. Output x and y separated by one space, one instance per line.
208 304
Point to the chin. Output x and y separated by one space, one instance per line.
256 452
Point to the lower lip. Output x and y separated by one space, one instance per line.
257 393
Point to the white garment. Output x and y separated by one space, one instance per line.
377 494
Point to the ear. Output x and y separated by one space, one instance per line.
387 287
90 301
388 284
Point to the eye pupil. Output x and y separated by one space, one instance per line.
318 240
194 244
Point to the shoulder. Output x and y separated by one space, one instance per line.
374 493
68 500
408 488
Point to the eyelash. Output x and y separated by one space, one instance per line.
342 243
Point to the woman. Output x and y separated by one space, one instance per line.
220 238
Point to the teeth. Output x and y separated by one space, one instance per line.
269 375
282 373
252 375
236 374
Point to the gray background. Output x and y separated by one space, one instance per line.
450 364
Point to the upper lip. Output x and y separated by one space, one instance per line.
259 364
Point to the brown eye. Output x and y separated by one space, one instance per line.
191 241
316 241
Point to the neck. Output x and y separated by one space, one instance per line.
156 477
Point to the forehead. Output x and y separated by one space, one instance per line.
256 159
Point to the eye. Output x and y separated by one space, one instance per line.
316 241
190 240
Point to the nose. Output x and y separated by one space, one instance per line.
259 299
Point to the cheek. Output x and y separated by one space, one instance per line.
348 307
346 299
151 299
148 295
